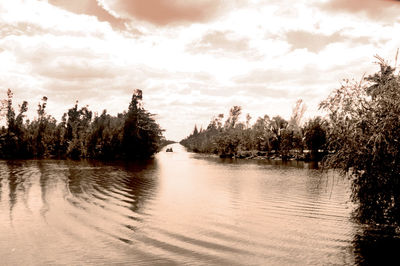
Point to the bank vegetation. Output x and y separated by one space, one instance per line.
80 133
267 138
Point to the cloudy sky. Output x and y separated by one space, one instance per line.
193 59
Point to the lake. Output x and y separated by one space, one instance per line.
180 208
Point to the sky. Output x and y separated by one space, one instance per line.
193 59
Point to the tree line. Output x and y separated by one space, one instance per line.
80 133
267 136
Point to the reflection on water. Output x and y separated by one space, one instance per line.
377 246
180 208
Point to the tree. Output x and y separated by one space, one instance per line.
141 134
41 142
277 126
10 112
363 133
78 124
315 135
195 131
291 136
297 114
10 140
233 118
262 134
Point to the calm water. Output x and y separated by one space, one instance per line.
180 208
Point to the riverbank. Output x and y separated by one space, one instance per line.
305 155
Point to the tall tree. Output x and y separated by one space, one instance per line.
315 135
141 134
233 118
277 126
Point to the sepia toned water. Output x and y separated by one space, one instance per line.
178 208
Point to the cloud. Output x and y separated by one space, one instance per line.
304 83
164 12
89 7
311 41
28 18
386 10
220 42
316 42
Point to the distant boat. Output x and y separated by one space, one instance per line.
169 150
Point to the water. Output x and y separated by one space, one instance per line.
179 208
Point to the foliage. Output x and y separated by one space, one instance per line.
266 136
132 134
363 133
141 134
315 134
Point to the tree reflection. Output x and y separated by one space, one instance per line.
141 182
75 177
278 163
132 182
2 172
44 186
377 246
14 180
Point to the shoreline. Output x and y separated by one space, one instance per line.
305 156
